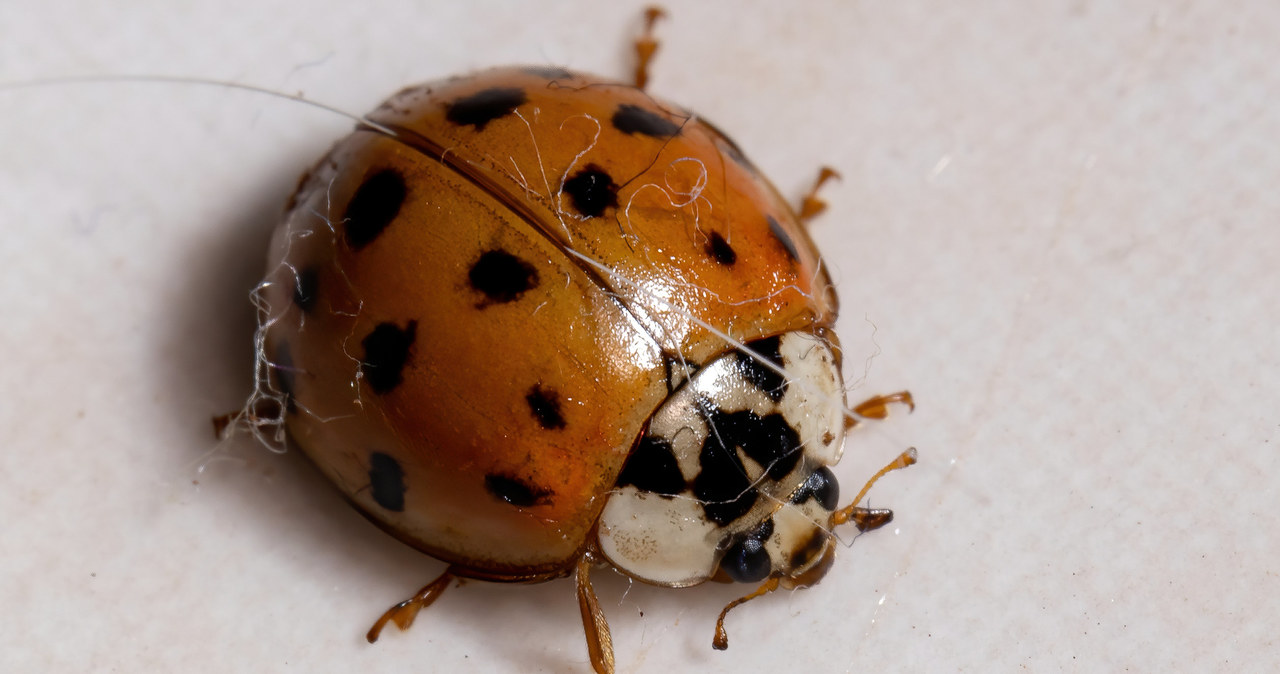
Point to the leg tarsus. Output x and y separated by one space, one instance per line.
878 407
810 205
599 642
646 45
404 612
721 640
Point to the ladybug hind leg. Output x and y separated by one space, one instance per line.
599 642
404 612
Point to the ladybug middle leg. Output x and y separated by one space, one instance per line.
599 642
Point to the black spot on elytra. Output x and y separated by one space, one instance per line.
386 351
386 481
549 72
720 250
652 467
304 288
820 485
545 405
501 276
633 119
781 235
592 191
729 147
376 203
747 561
483 107
515 491
760 375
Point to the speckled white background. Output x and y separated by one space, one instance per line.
1058 225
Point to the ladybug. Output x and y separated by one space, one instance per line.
531 321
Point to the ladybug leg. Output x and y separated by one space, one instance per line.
877 407
810 205
262 410
867 519
404 612
646 45
599 643
721 640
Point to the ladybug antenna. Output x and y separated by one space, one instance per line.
867 519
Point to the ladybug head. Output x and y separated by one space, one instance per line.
794 542
729 479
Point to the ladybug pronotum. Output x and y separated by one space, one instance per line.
531 321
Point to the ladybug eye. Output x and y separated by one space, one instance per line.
821 485
747 562
825 488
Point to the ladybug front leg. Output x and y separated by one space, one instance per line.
599 642
721 640
404 612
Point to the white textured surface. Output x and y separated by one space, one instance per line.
1061 218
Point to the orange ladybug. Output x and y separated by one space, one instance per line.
531 321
